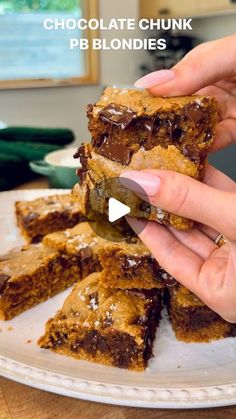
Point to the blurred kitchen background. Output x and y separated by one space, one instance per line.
44 84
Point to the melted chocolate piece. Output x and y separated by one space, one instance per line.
168 280
118 115
116 152
177 134
171 125
145 207
36 239
97 140
195 112
77 154
192 152
149 126
89 109
82 154
3 280
30 217
155 267
208 136
131 262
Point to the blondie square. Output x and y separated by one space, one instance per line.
45 215
33 274
107 326
193 321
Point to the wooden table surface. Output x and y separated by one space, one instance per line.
18 401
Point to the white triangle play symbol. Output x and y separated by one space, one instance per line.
116 210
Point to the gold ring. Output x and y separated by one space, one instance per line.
220 240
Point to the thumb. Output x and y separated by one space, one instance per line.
204 65
187 197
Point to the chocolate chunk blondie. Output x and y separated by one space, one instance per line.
125 262
111 327
45 215
33 274
193 321
133 130
123 121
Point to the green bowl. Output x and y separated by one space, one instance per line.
60 168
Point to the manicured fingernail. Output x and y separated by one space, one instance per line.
155 78
134 180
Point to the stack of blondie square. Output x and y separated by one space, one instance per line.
113 311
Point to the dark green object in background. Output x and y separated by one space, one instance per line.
7 161
27 151
59 136
13 171
20 145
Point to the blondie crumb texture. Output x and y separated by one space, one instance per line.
45 215
33 274
192 321
111 327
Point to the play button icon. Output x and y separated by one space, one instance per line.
109 201
116 210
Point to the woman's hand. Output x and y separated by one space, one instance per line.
209 69
192 257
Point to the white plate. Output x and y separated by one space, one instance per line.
179 376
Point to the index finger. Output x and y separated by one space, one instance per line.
204 65
187 197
